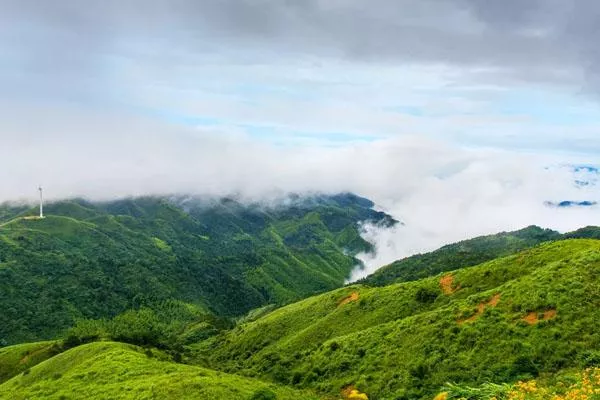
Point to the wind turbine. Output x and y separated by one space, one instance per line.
41 202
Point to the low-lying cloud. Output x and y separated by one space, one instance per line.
487 197
442 192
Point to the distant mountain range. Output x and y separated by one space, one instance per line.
570 204
585 178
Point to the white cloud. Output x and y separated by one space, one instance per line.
441 191
500 192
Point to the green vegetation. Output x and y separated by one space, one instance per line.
565 385
589 232
18 358
459 255
96 260
107 370
509 319
169 326
179 298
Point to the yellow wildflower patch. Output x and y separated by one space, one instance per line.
587 388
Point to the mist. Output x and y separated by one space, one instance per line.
458 118
486 198
442 192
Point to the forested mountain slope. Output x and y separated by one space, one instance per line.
470 333
96 260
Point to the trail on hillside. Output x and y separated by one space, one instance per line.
493 302
28 218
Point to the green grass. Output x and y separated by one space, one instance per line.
472 318
107 370
407 341
18 358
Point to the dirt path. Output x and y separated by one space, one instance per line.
446 284
532 317
493 302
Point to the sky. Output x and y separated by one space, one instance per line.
459 117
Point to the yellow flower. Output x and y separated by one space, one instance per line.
441 396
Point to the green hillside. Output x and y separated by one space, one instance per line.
459 255
107 370
509 319
201 286
565 385
18 358
96 260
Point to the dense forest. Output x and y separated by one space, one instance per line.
96 260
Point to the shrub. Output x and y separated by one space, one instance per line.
425 295
263 394
297 378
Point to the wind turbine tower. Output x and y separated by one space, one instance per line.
41 202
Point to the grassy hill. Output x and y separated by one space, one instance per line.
513 318
459 255
107 370
96 260
18 358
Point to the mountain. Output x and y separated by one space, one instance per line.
571 204
585 179
180 297
459 255
524 326
509 319
588 232
89 260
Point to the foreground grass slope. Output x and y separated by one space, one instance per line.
567 384
107 370
509 319
97 260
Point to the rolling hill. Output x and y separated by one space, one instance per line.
108 370
18 358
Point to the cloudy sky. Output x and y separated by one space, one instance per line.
460 117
